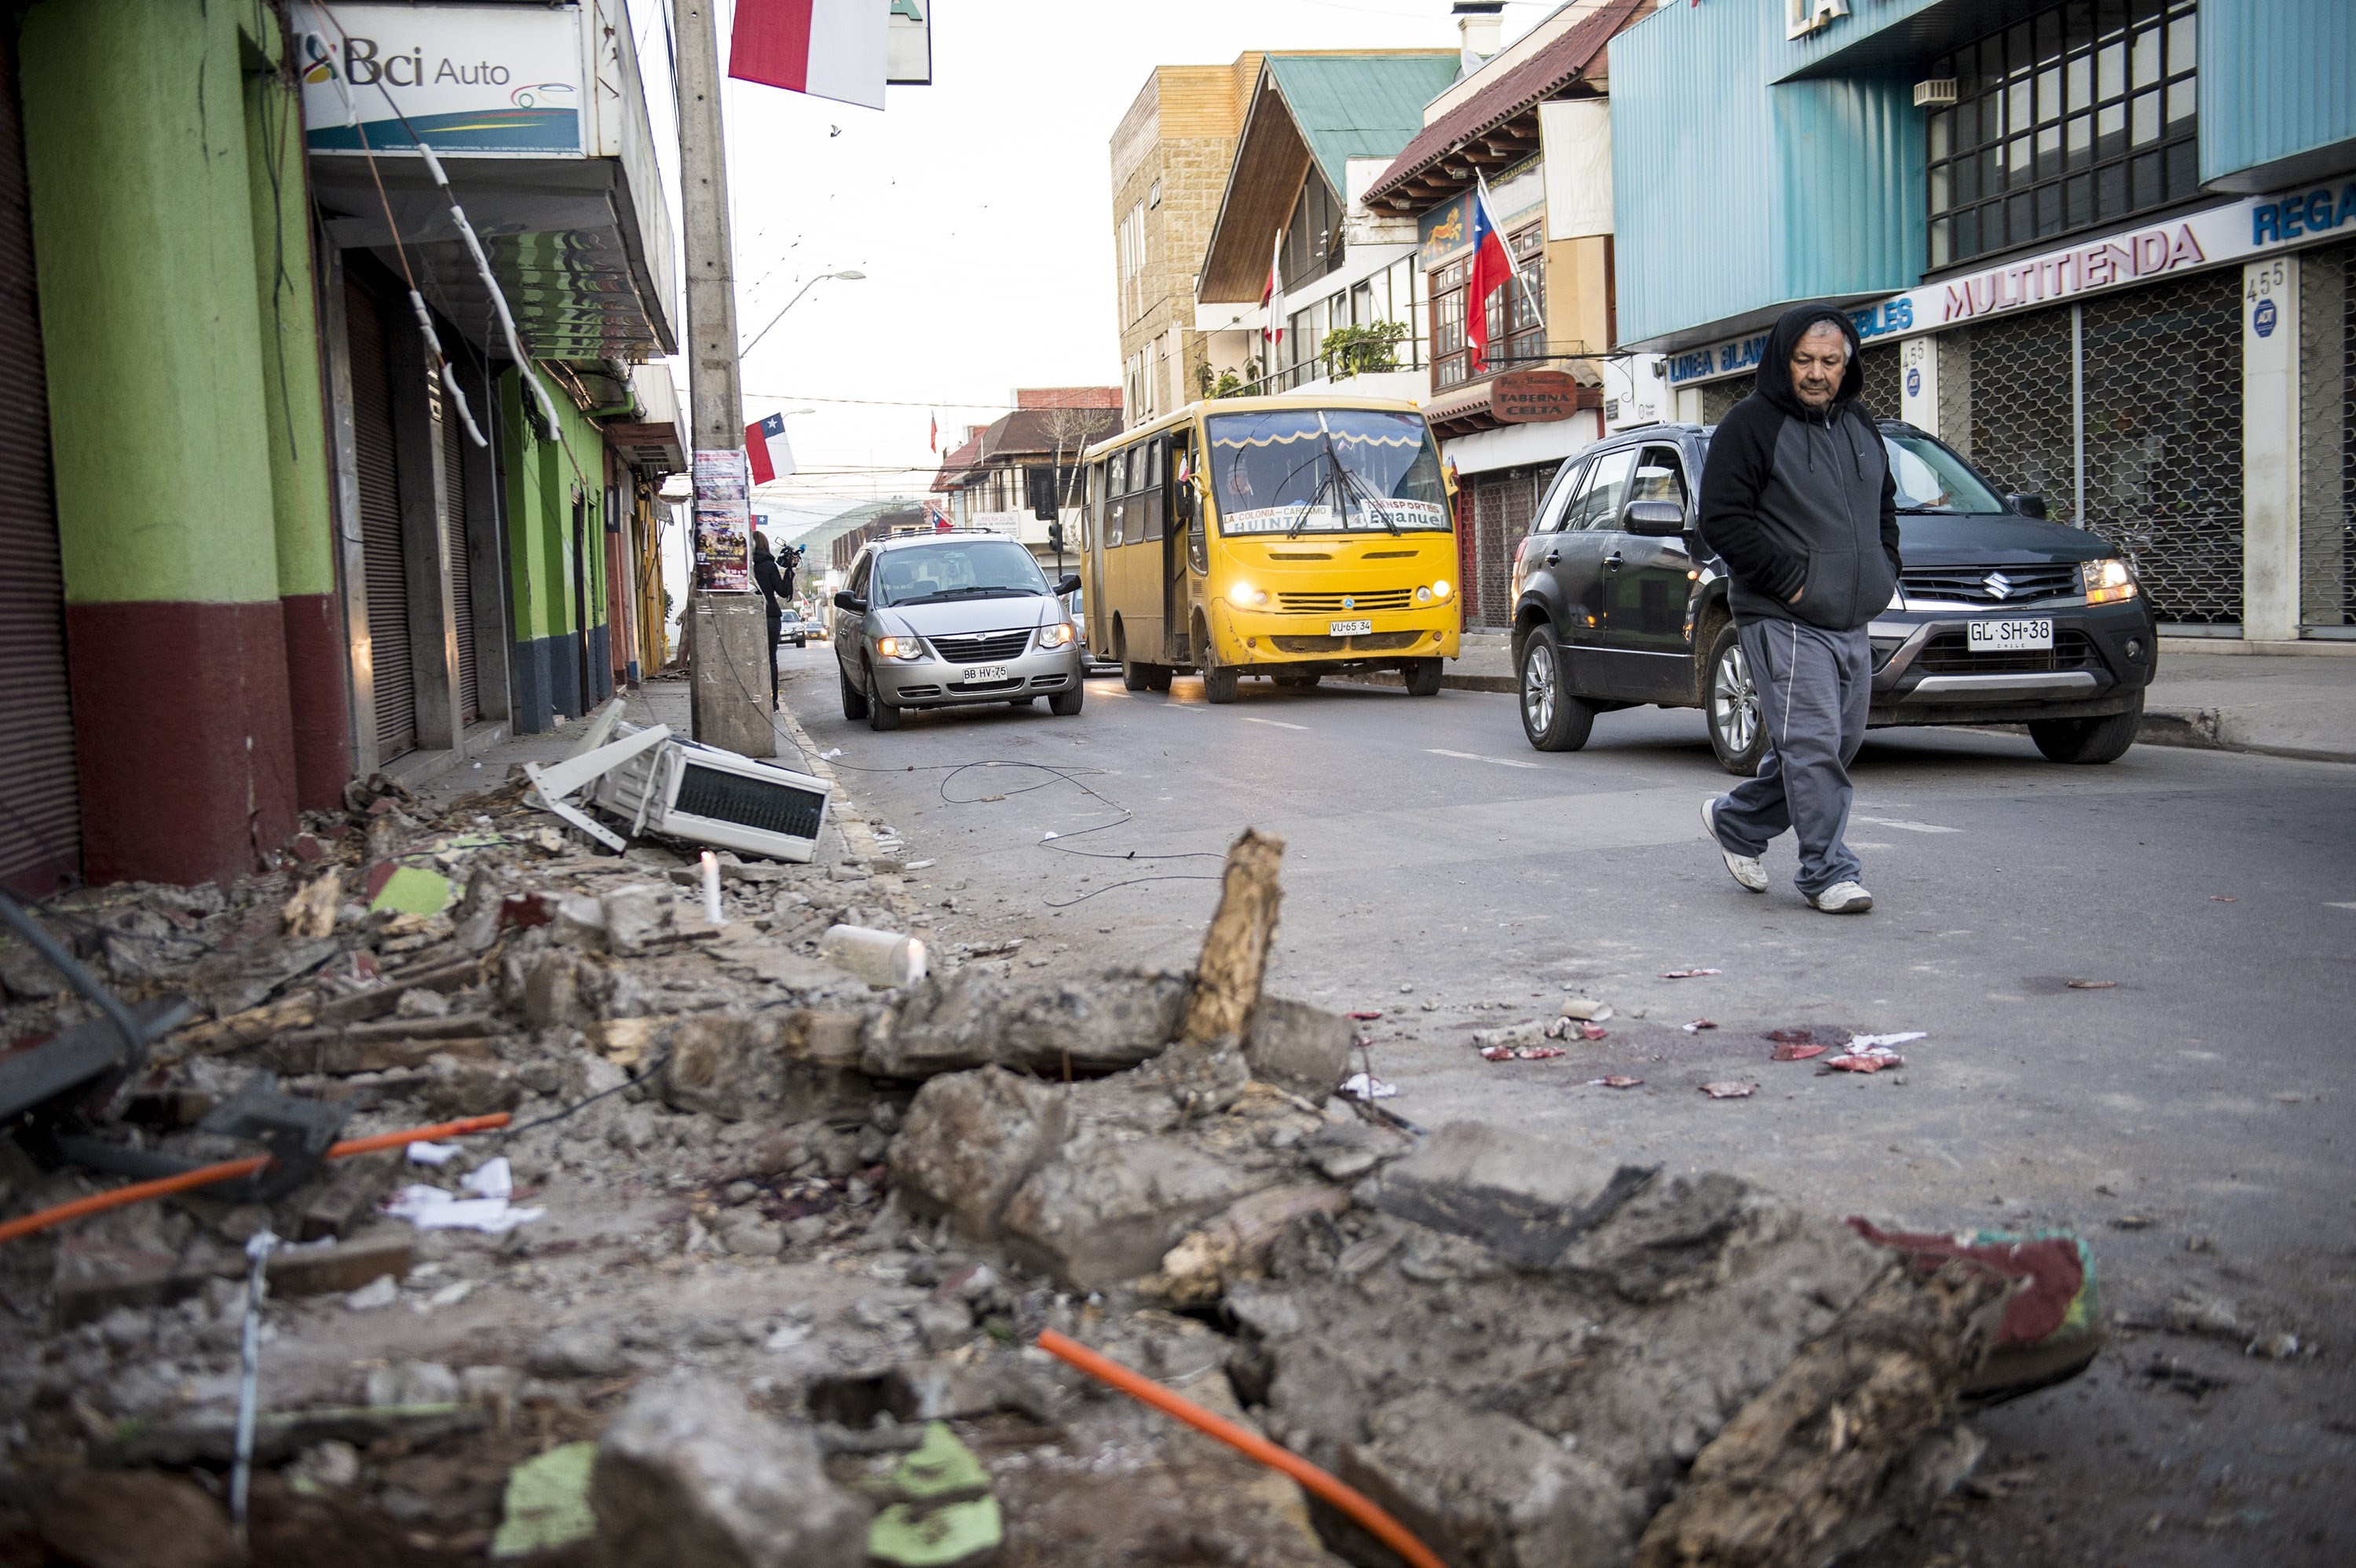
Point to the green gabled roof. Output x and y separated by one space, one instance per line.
1359 106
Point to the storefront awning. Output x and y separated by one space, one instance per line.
1517 397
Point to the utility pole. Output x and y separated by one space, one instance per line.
727 629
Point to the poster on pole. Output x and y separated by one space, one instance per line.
723 521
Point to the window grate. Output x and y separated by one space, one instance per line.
1880 393
750 803
2078 116
2327 418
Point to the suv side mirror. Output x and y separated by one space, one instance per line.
2029 503
1654 519
1068 585
844 599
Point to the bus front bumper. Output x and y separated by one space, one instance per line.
1244 637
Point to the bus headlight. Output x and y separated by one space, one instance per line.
1441 590
1243 596
1424 596
2106 581
1056 634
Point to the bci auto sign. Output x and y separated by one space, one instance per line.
483 80
2234 232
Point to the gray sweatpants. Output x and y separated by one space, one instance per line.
1816 688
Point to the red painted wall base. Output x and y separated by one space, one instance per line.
317 699
182 728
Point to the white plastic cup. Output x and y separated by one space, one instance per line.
878 957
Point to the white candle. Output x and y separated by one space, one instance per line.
712 913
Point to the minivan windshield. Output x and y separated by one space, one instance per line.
1931 479
962 569
1292 471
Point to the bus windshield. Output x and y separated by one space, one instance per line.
1325 471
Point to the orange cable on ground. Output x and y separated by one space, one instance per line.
229 1169
1350 1500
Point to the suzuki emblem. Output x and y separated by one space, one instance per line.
1997 584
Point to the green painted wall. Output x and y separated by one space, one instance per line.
543 477
149 304
287 308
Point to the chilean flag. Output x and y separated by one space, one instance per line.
756 448
1493 268
828 48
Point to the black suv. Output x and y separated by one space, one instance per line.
2000 617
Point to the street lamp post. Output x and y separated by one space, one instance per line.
849 275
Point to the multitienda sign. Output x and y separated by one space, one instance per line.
2220 235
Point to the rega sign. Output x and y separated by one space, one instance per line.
483 80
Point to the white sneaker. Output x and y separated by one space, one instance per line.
1744 869
1843 898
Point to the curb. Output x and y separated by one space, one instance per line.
2205 729
1493 683
858 838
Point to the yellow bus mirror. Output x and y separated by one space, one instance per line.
1448 477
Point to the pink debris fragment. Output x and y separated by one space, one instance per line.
1730 1089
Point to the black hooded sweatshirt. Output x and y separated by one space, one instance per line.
1792 499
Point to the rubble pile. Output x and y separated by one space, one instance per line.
790 1237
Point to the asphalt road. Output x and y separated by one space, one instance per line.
2190 1117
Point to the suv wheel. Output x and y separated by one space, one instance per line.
881 714
1552 718
855 701
1738 730
2088 739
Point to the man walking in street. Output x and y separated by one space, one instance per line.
1797 499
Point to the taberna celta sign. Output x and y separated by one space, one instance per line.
480 80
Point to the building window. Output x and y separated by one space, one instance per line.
1450 362
2081 115
1313 240
1129 240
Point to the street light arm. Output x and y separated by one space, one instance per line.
790 305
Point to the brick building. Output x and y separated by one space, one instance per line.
1170 159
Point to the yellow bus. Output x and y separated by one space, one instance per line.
1286 536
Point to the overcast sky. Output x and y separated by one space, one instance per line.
979 207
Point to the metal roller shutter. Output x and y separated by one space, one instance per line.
40 814
462 580
387 575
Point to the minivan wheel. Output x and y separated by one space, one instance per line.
1552 718
1423 678
855 701
2088 739
1065 703
1738 728
881 714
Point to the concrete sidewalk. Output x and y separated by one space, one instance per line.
2296 701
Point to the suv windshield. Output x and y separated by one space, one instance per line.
1932 479
967 569
1325 471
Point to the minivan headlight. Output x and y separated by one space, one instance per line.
1056 634
2106 581
901 648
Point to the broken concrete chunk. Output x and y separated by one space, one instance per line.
637 917
746 1234
581 922
577 1352
1524 1197
1297 1048
1108 1206
970 1140
971 1017
687 1476
1494 1490
405 1383
738 1068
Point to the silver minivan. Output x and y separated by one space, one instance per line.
952 620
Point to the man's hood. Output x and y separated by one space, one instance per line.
1775 362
